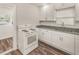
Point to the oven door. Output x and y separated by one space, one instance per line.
30 41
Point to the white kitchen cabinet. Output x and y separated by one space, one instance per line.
63 5
65 16
77 12
77 44
42 15
55 38
58 5
43 34
64 41
50 13
66 21
50 35
46 35
47 13
67 42
70 12
66 5
60 40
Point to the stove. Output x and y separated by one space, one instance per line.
27 39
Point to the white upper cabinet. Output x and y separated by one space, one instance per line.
66 21
63 5
47 12
42 14
60 13
77 11
50 13
65 15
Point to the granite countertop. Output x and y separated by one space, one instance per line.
65 26
61 29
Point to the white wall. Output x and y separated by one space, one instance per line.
8 29
27 14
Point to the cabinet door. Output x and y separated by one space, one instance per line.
42 15
58 5
68 43
47 12
40 34
55 38
63 5
50 13
77 11
66 5
46 35
77 44
43 34
49 33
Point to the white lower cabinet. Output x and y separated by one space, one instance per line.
77 44
40 34
48 35
60 40
67 42
55 38
63 41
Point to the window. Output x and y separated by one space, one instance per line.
4 19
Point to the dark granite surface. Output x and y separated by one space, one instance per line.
61 29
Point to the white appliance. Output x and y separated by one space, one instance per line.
27 39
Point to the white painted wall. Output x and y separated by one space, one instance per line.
27 14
